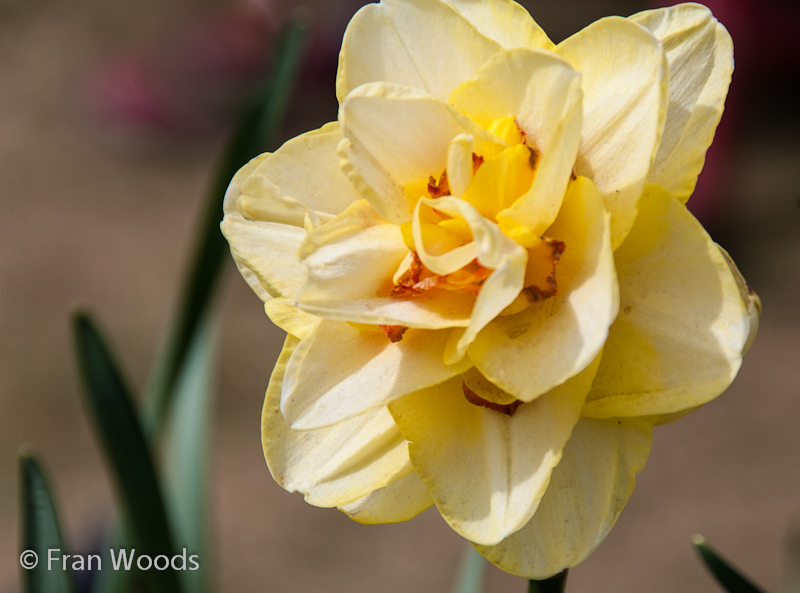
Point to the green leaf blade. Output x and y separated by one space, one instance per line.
41 530
187 456
728 577
256 132
127 451
471 573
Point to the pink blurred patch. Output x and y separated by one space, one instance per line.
194 80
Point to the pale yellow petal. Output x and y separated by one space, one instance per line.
432 310
282 312
401 500
229 204
529 353
749 298
301 175
505 21
340 371
700 55
336 465
625 78
486 470
354 255
678 340
543 92
424 44
587 492
460 168
349 264
267 251
397 137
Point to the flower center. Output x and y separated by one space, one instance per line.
447 238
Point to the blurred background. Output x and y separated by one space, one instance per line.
112 118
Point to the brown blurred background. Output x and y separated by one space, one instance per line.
112 117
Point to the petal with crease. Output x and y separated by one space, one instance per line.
587 492
392 42
301 175
401 500
678 340
543 92
700 55
268 252
560 336
229 204
505 21
625 77
336 465
486 470
398 136
282 312
340 371
354 255
349 264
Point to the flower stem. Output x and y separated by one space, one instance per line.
555 584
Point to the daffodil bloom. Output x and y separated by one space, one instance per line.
491 286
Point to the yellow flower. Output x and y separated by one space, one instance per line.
491 286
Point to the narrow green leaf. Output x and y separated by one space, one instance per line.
728 577
256 133
41 532
187 457
470 575
127 451
555 584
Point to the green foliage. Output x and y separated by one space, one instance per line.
162 518
186 460
127 451
41 530
470 576
727 576
257 131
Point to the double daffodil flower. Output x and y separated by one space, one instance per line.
491 286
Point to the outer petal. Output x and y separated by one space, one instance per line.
505 21
398 501
529 353
700 55
485 470
268 201
543 93
229 207
330 466
350 262
301 175
392 41
294 321
587 492
340 371
266 253
229 204
396 137
625 79
678 340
